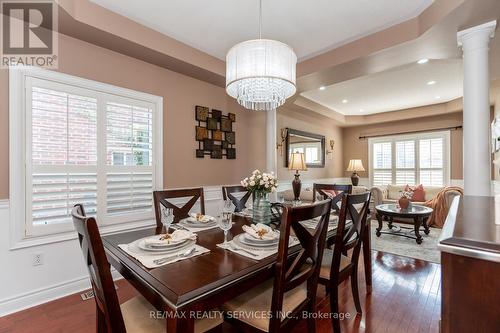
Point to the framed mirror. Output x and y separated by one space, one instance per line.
312 145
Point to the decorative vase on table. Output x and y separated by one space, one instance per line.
261 184
404 201
261 211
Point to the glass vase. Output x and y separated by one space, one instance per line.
261 210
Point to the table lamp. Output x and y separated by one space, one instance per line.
297 163
354 166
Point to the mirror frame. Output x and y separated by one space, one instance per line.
311 135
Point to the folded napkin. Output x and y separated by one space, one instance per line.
177 236
201 218
261 231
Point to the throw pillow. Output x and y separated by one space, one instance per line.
418 193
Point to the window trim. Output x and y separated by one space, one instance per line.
416 136
18 154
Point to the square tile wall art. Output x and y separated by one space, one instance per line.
215 133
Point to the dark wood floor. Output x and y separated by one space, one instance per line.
405 298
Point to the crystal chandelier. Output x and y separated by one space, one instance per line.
260 73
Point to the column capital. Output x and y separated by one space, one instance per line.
482 32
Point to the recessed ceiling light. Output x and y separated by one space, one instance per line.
361 110
345 101
438 97
430 83
322 88
423 61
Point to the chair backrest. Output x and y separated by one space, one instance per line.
304 268
160 198
322 188
239 204
354 207
108 306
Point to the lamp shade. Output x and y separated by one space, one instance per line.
355 165
297 162
260 73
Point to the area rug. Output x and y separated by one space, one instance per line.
407 247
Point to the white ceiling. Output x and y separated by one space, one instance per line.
310 27
400 88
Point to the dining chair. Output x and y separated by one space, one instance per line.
336 265
239 204
333 191
160 198
293 287
132 316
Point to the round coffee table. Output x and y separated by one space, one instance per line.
419 215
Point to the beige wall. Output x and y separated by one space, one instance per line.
355 148
317 124
180 95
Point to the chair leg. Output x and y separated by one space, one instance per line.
100 322
334 308
311 321
355 291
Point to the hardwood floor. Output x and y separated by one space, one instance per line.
405 298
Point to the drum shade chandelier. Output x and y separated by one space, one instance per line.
260 73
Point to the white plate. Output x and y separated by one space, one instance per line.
196 224
250 240
172 246
240 240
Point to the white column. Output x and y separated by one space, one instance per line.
476 121
271 160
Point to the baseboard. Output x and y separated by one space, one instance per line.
43 295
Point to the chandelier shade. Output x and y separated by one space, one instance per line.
260 73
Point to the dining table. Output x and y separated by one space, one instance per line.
182 290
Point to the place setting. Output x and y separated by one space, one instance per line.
258 241
158 250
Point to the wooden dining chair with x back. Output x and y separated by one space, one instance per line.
239 204
132 316
337 265
293 288
333 191
161 198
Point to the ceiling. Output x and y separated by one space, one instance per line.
396 89
309 29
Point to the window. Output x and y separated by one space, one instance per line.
410 159
84 142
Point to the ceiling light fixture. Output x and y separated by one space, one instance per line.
361 110
430 83
261 73
344 101
438 97
322 88
423 61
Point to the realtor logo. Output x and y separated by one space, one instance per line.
29 33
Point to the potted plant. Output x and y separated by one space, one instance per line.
261 184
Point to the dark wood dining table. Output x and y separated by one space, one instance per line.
187 287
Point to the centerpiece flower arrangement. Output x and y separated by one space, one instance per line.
261 184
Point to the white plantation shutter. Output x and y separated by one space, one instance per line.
405 162
129 132
90 147
431 162
382 163
410 159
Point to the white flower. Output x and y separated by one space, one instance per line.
255 172
252 183
242 183
252 178
266 185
